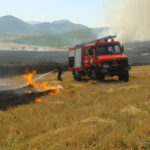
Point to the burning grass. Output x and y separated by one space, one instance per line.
90 115
44 86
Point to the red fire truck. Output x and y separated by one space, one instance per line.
97 59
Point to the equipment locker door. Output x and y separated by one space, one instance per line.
78 57
71 58
85 57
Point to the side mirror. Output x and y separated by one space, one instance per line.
122 48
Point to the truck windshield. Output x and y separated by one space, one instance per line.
108 49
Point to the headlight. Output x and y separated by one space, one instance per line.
106 66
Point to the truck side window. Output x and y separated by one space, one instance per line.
110 49
117 49
91 51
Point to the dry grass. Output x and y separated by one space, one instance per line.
88 115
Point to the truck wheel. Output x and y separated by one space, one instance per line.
76 75
101 77
124 76
94 74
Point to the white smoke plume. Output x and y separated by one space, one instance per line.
129 19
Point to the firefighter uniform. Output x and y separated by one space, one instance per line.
59 70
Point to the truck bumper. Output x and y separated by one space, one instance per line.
114 71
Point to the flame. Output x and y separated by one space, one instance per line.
29 92
46 87
38 100
28 76
54 90
43 86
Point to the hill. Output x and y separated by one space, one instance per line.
85 115
12 25
58 40
60 26
61 33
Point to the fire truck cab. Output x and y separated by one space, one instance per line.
99 58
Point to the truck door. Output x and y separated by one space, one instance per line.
91 57
86 57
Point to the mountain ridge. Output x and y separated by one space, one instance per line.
11 24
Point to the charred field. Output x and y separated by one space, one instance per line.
13 65
15 62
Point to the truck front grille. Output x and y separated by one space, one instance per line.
116 63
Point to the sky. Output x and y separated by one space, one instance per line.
87 12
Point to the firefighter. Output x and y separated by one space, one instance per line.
59 70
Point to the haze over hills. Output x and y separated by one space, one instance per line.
34 22
63 34
60 33
61 26
10 24
60 40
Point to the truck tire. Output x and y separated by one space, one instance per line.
94 74
76 75
73 74
101 77
124 77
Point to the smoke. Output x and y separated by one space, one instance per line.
129 19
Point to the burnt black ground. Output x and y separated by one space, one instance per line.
138 52
13 98
16 62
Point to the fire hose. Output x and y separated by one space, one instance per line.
38 78
42 76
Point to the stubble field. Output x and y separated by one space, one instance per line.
86 115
